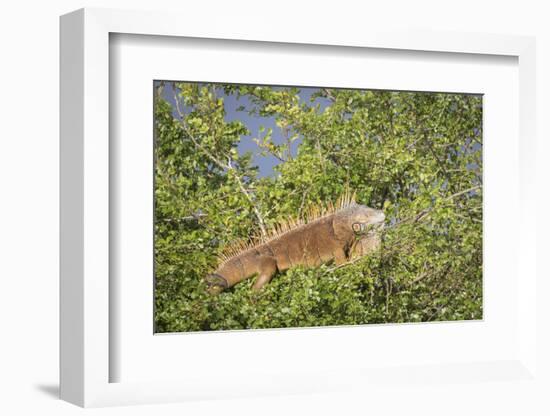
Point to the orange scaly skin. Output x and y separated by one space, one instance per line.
349 232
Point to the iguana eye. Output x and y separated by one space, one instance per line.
356 227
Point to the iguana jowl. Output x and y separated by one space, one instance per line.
337 233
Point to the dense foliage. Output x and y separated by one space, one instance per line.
417 156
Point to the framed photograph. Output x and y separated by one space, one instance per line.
282 213
277 196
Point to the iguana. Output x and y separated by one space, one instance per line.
338 232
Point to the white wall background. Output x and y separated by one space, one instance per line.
29 183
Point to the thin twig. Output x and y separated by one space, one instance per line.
259 216
304 196
425 212
328 93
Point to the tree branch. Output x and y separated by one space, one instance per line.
227 166
424 213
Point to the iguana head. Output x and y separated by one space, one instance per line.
360 220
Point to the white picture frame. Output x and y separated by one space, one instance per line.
85 217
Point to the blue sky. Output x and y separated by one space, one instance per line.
254 123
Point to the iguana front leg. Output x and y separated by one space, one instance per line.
339 256
266 270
